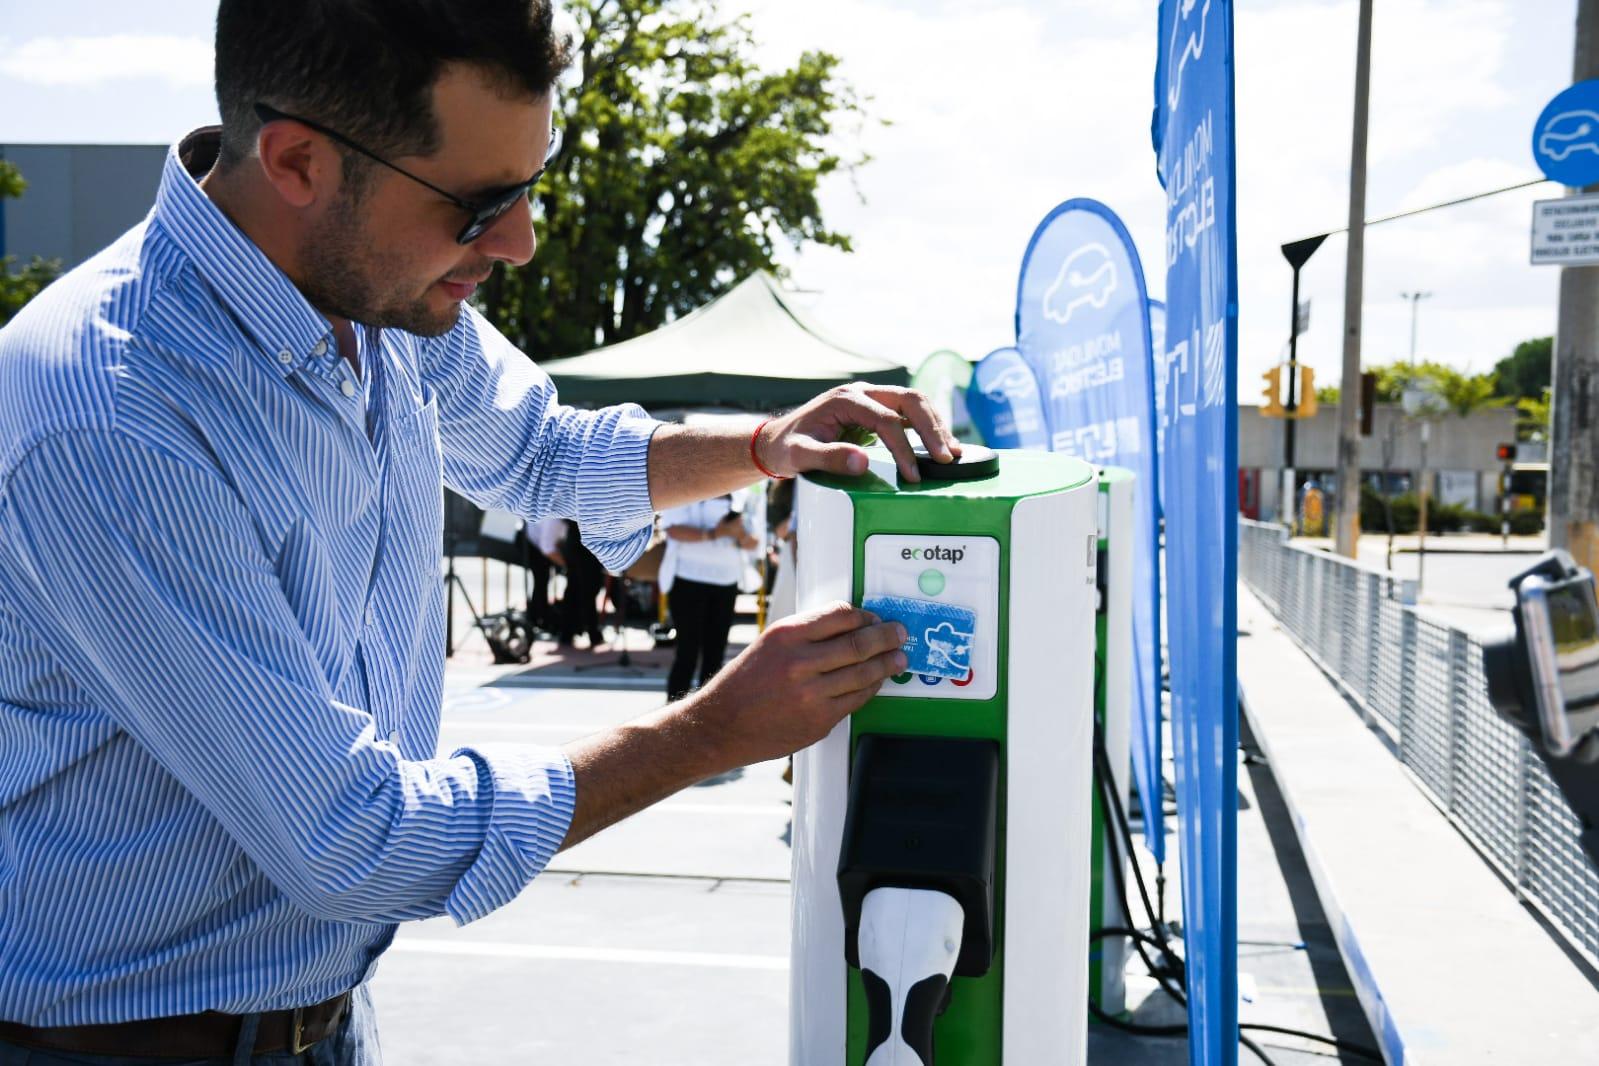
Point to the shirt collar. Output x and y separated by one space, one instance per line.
263 299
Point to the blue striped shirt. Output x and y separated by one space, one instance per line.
221 627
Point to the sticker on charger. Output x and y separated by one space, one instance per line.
939 635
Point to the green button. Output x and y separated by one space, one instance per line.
931 582
901 679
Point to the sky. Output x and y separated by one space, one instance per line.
1000 109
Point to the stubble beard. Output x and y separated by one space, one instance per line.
344 275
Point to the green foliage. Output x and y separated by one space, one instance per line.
19 285
684 166
1457 392
1533 425
1328 394
1441 517
1526 372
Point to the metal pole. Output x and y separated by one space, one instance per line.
1291 502
1573 435
1415 299
1348 531
1421 519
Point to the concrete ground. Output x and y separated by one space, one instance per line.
665 939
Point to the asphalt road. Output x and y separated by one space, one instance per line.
664 940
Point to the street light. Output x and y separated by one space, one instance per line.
1415 298
1297 253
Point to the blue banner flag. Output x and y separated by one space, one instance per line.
1004 403
1157 350
1082 324
1193 137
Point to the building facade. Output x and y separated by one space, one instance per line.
80 197
1462 465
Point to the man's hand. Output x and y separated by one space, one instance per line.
815 436
798 680
786 691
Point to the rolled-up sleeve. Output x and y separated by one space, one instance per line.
508 442
148 577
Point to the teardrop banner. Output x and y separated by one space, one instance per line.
1082 324
1005 404
1194 147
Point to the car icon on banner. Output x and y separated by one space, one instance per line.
1086 279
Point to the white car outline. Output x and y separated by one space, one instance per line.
1556 144
945 642
1092 283
1193 48
1014 384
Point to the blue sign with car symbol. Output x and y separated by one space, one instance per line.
1565 142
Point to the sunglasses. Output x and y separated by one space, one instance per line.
483 210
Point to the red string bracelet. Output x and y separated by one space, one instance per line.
756 459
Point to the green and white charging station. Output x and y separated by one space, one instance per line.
1113 623
942 835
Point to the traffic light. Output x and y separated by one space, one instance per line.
1273 407
1306 407
1506 453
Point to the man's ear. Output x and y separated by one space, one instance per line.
299 163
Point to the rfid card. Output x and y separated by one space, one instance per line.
939 635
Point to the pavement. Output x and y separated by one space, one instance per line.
665 939
1449 966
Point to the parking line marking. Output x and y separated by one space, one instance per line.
634 956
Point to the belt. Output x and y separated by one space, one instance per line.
211 1034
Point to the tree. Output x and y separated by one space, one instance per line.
1456 390
684 167
1533 425
1525 372
17 287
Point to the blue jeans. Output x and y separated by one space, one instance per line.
355 1043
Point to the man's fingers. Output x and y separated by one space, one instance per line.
924 419
863 679
831 621
889 426
839 457
858 645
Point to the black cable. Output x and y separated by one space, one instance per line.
1176 968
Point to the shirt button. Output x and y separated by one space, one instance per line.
394 738
321 348
285 356
347 387
371 617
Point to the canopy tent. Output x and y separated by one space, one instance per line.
749 348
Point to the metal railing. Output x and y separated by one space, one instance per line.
1422 682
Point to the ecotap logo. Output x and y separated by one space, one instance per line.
934 553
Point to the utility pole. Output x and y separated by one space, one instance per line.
1574 423
1414 298
1348 531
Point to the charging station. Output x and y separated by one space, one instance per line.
943 837
1113 625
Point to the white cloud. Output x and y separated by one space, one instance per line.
93 61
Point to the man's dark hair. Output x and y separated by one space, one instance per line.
366 67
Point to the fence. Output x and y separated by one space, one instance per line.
1423 683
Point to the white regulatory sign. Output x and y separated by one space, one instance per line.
1565 232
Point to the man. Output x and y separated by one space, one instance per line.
221 448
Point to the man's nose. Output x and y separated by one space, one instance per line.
510 239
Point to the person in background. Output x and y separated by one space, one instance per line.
705 546
585 577
781 517
544 555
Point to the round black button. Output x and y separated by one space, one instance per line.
975 462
